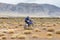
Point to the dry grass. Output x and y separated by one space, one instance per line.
43 25
58 32
35 36
2 34
27 32
49 35
50 30
21 36
14 36
37 30
10 31
44 28
4 37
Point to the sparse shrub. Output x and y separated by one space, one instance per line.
50 30
13 37
48 26
16 26
49 35
37 30
21 36
35 36
20 24
44 28
58 32
2 34
5 31
54 24
43 25
4 37
10 31
27 32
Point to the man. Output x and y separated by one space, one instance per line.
28 21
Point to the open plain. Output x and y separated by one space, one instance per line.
43 29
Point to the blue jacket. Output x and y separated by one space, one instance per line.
28 19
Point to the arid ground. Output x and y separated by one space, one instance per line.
43 29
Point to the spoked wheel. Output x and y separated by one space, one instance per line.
28 27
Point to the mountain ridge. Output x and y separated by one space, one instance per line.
30 9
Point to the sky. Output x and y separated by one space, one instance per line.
53 2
